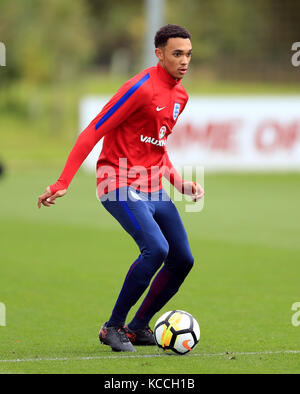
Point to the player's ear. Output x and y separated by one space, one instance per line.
159 53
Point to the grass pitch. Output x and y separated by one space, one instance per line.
62 269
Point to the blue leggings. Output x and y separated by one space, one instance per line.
154 223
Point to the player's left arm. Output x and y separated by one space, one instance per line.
185 187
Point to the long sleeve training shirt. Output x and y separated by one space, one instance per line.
135 124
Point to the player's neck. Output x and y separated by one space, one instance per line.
166 76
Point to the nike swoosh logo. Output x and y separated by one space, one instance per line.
159 109
186 344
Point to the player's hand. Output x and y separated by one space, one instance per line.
193 189
48 199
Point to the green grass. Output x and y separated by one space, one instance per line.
62 268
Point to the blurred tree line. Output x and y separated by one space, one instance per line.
55 40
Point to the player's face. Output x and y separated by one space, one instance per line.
175 57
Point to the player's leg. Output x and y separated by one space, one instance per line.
136 217
177 265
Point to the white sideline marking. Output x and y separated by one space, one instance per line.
150 356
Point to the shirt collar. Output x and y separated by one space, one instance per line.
166 77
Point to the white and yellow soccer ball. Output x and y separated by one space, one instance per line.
178 331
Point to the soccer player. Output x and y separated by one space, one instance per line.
135 125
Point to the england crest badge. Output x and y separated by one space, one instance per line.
176 111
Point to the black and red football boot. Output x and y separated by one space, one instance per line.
140 337
116 338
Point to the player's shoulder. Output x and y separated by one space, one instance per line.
141 82
182 89
181 92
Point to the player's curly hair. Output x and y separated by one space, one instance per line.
169 31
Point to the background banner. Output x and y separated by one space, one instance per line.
227 133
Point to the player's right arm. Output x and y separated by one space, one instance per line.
47 198
129 98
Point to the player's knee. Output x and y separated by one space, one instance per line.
182 264
189 260
187 263
159 252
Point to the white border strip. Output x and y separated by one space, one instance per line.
233 354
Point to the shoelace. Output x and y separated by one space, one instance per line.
122 335
146 330
130 334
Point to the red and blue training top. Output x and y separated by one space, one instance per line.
135 124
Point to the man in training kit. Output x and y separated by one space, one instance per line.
135 125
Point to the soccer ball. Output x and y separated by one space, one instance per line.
178 331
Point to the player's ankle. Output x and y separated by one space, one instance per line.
136 325
114 323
